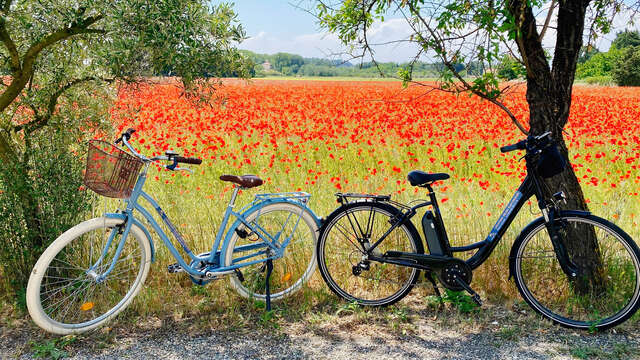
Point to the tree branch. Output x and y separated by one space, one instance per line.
449 64
42 120
80 27
21 76
548 19
528 41
10 45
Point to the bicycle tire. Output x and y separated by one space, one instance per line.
342 269
49 276
293 269
567 304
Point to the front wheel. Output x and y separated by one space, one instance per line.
286 222
66 294
601 301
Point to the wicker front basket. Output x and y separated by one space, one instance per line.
110 171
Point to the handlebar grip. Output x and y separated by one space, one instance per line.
508 148
189 160
520 145
126 135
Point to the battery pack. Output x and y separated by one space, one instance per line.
431 234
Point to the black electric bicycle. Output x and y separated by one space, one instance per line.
577 269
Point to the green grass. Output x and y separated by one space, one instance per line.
196 203
53 348
618 352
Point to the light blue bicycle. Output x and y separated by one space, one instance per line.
93 270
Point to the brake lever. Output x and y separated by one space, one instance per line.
543 135
183 169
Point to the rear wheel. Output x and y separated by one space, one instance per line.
293 269
340 254
546 288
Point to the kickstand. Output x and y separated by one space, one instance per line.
268 291
429 275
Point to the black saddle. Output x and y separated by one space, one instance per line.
419 178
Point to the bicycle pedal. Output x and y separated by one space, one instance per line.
239 275
174 268
474 295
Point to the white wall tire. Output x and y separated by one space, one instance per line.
291 271
43 265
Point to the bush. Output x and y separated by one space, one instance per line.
53 181
600 64
600 80
627 71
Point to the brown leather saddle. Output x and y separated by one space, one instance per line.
246 181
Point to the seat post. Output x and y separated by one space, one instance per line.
232 201
432 196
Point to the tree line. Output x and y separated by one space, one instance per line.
285 64
619 65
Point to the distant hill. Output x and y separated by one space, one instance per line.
285 64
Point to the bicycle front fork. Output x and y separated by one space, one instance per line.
123 230
559 248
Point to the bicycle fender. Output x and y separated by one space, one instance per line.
531 226
137 223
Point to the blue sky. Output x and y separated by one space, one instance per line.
278 26
276 17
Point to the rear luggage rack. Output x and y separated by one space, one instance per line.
343 198
373 197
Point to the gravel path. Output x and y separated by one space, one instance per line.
344 340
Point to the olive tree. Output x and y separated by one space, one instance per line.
59 63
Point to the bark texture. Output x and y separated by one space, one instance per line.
549 98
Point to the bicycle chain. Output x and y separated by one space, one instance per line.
421 282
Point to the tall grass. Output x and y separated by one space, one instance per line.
196 203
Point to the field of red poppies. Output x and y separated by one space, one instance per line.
329 136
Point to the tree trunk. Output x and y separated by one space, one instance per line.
582 243
549 98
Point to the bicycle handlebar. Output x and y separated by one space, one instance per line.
124 138
126 135
188 160
522 144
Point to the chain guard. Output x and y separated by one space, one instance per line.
456 268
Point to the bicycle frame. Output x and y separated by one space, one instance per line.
530 187
271 244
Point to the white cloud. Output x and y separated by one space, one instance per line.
308 45
327 45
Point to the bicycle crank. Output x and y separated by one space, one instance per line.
457 276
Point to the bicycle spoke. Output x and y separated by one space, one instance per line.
582 300
374 283
340 228
68 293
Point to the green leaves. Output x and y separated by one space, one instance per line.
57 59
